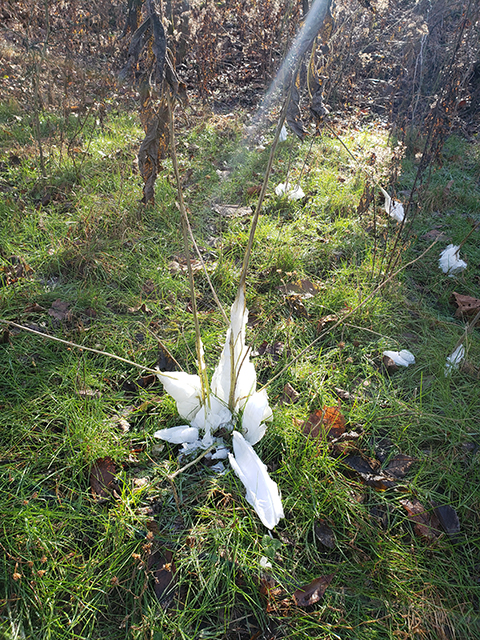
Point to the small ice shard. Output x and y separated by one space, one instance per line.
178 435
190 447
454 359
283 134
256 412
185 389
393 208
292 193
450 261
218 467
262 491
220 454
401 358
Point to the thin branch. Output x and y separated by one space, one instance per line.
193 462
347 315
78 346
202 370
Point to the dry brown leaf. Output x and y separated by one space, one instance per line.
289 395
466 304
448 518
163 569
33 308
327 422
59 310
369 472
400 465
426 524
325 320
313 592
232 210
142 308
102 476
324 534
275 349
303 288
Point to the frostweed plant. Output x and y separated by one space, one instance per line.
232 406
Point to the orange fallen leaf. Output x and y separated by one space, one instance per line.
327 422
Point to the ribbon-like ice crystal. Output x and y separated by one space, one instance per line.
393 208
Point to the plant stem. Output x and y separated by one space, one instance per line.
77 346
202 370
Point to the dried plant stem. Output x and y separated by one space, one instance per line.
474 228
263 191
202 370
172 476
468 329
77 346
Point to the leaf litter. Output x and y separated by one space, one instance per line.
312 592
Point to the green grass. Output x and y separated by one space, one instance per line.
73 567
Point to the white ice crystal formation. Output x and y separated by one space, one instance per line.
233 404
450 261
454 360
393 208
292 193
401 358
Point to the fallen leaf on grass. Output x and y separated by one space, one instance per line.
368 471
89 393
434 234
466 304
313 592
33 308
251 191
303 288
448 519
426 524
325 320
271 592
324 534
345 395
140 308
146 381
59 310
289 395
102 477
179 265
165 360
275 349
163 570
232 210
400 465
327 422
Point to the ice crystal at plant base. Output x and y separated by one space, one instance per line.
450 261
402 358
292 193
454 359
393 208
233 404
